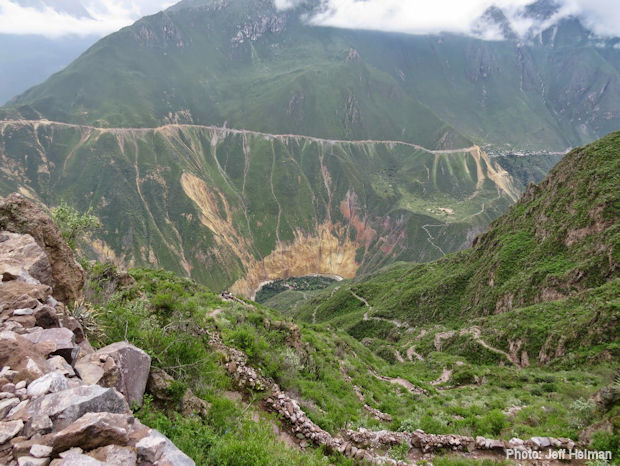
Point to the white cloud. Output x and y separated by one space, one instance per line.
104 17
601 16
56 18
286 4
458 16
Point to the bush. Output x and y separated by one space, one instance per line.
223 415
463 376
387 353
606 441
399 452
493 423
433 425
72 224
583 412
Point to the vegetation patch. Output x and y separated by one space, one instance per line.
307 283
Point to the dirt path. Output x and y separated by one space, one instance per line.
370 446
411 352
367 317
317 307
360 396
431 238
444 377
475 333
442 336
214 313
400 381
219 129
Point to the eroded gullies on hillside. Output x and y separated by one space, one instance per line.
362 369
234 208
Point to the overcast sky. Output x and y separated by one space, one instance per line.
56 18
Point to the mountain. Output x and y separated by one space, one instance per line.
41 37
538 280
234 143
233 206
401 363
247 65
232 382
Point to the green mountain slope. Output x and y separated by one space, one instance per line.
230 206
515 337
547 267
249 66
354 150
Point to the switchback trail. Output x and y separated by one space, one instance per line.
431 238
367 317
473 331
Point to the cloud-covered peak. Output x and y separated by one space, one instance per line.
489 19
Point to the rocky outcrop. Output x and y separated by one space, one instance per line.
61 403
21 215
23 259
120 365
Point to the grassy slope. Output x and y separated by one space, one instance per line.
559 239
572 342
164 314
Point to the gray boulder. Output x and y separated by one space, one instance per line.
155 448
21 258
115 455
93 430
120 365
55 341
10 429
65 407
51 382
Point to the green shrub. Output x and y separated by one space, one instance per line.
72 224
433 425
493 423
399 452
387 353
582 411
607 441
463 376
224 415
177 389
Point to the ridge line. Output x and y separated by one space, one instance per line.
239 131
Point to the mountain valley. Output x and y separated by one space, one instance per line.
320 245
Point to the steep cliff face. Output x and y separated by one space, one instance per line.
21 215
239 207
326 251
